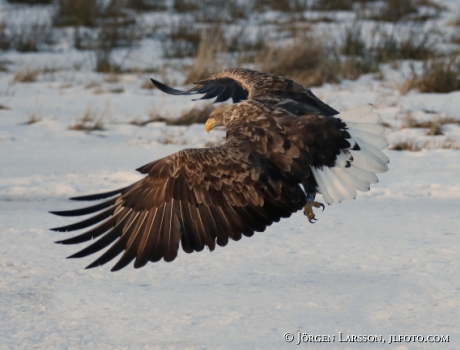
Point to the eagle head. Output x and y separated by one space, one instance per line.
220 116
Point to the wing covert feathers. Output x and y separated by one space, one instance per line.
241 84
195 198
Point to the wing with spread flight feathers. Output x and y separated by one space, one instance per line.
240 84
196 198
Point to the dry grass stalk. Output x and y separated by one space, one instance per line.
26 33
313 61
418 145
398 42
33 118
77 13
411 122
92 84
333 5
305 60
220 11
31 2
4 65
212 44
183 40
433 126
118 90
26 75
439 74
111 78
280 5
147 85
394 11
435 130
197 115
90 120
184 6
405 146
147 5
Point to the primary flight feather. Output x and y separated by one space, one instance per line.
279 136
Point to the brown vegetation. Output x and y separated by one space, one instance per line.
31 2
77 13
212 44
313 61
182 41
183 6
333 5
405 146
415 146
33 118
147 85
26 34
196 115
112 27
280 5
305 60
26 75
394 11
414 44
90 121
214 11
146 5
440 74
213 32
411 122
434 126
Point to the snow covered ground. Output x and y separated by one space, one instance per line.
384 264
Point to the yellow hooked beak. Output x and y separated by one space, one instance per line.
210 124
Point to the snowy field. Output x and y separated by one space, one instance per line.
384 264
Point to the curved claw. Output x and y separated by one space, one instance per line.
308 210
322 206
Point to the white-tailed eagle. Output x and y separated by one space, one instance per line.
283 146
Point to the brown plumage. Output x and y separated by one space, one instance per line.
240 84
200 197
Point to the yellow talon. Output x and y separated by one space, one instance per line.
308 210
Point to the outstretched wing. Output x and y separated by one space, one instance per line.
241 84
196 198
223 89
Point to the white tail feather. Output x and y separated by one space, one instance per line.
321 186
367 127
353 182
343 159
349 191
375 151
332 188
365 160
355 167
361 174
370 118
375 140
355 112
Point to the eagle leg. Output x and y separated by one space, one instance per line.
308 210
